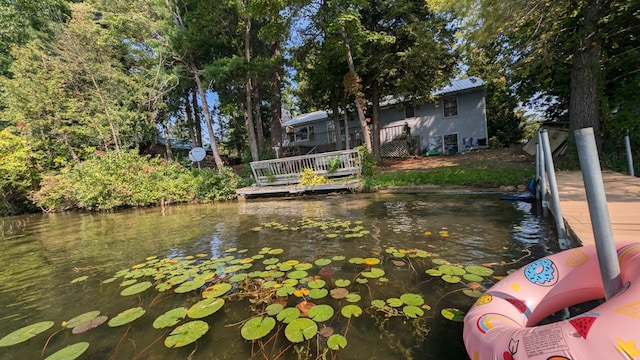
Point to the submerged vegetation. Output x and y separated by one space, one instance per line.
279 307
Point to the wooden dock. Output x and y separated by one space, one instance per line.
623 201
295 189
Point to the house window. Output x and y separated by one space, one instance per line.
409 112
450 106
305 133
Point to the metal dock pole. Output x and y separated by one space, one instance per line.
553 187
627 145
600 221
543 176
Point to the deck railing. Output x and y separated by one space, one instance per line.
287 171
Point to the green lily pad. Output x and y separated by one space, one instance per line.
479 270
440 261
412 311
136 289
342 283
356 260
472 293
353 297
451 270
373 273
216 290
332 236
238 277
271 261
82 318
362 281
204 308
128 282
186 333
275 251
79 279
322 262
273 309
320 313
298 274
287 315
472 277
378 303
170 318
316 284
163 287
126 316
351 311
70 352
433 272
452 279
301 329
91 324
303 266
338 257
412 299
257 327
395 302
190 285
25 333
452 314
336 342
318 293
285 291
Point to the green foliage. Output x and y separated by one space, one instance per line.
488 177
18 175
124 179
369 167
309 178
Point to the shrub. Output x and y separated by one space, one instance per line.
309 178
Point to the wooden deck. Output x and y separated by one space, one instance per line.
295 189
623 201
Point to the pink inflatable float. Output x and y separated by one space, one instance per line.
501 324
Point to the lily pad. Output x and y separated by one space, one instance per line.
136 289
170 318
453 314
412 311
318 293
273 309
451 270
440 261
433 272
287 315
186 334
79 279
127 316
82 318
371 261
342 283
395 302
322 262
70 352
298 274
301 329
316 284
472 277
205 308
257 327
452 279
356 260
373 273
378 303
472 293
338 257
216 290
412 299
351 311
336 342
25 333
479 270
353 297
285 291
303 266
91 324
320 313
339 293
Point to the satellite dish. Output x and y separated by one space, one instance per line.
197 154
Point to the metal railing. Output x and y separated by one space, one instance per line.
286 171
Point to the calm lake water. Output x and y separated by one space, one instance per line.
42 254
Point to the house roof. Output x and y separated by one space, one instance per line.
458 85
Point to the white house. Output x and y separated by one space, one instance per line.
456 123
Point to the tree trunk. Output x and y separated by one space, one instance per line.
207 117
167 141
67 143
248 116
583 102
196 117
375 119
276 97
359 101
336 128
347 141
258 110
